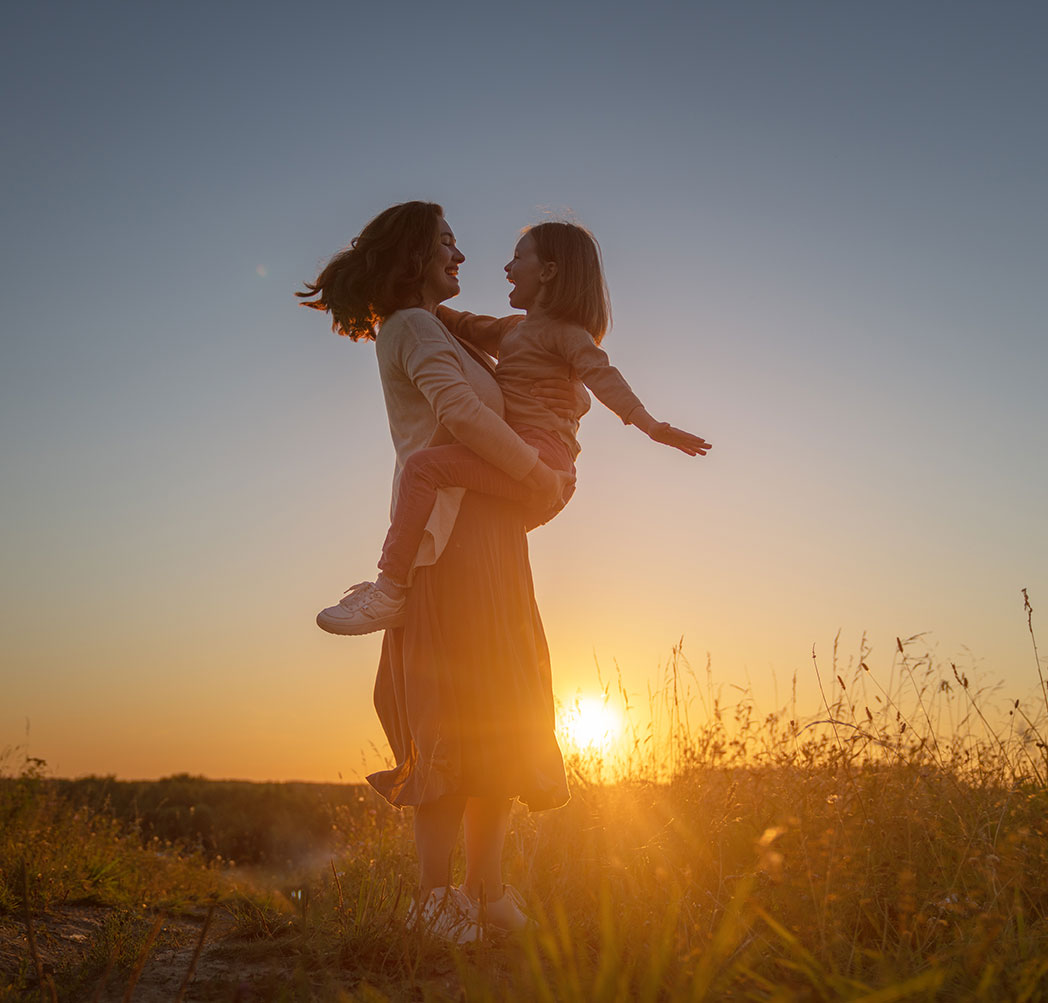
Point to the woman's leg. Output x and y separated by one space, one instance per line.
436 832
486 823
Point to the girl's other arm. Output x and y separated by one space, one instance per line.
485 333
567 398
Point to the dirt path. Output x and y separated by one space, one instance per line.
68 937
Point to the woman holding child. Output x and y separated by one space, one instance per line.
464 689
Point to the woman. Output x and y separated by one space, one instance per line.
464 691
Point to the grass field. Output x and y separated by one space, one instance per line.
892 847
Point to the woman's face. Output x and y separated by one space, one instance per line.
528 274
440 278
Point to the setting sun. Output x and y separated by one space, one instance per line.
589 723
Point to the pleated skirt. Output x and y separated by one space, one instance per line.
464 690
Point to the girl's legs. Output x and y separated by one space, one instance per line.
379 606
450 466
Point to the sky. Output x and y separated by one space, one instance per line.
823 226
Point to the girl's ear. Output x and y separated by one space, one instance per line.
548 272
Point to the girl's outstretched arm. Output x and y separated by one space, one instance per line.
593 367
661 431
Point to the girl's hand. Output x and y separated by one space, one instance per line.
693 445
565 398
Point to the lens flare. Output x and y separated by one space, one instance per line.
589 723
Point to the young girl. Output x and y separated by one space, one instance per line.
558 280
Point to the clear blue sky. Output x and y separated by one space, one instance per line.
824 230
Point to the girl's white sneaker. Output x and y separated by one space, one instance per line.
362 610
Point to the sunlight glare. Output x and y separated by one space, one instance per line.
590 723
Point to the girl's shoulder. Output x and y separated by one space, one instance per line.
564 332
548 327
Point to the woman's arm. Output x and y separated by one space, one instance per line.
565 398
480 330
423 352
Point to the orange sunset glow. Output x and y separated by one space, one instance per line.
822 229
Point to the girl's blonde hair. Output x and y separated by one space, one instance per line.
577 292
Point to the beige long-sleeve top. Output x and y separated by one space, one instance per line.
430 379
531 349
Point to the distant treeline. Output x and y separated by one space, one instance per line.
249 823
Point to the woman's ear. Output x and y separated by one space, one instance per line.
548 272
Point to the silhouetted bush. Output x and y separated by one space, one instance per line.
229 820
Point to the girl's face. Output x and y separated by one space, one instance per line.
440 279
528 274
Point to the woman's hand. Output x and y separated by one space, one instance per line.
565 398
546 484
540 514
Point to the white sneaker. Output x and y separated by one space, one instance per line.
506 914
448 913
362 610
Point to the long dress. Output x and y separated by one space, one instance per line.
464 690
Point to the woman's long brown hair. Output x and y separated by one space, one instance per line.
380 272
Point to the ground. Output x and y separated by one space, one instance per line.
66 936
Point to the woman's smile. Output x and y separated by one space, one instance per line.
441 274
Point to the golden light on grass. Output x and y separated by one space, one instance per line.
590 724
890 844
